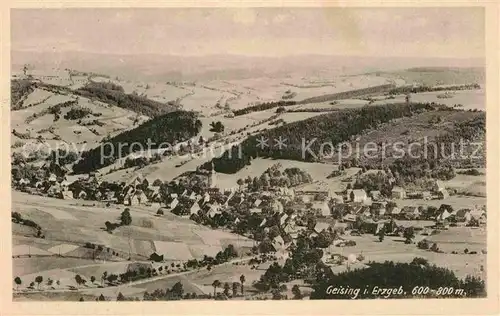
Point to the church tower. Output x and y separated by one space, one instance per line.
212 176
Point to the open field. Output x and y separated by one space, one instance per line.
62 233
470 99
25 266
457 202
318 171
455 239
68 133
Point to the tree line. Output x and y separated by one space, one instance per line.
335 128
418 89
263 106
113 94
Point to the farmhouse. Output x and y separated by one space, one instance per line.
154 194
336 198
278 243
257 203
398 193
172 204
213 210
479 215
206 197
463 215
52 178
395 211
305 198
322 208
437 186
443 194
255 210
349 218
192 196
426 195
283 219
358 196
443 216
321 227
235 200
410 212
139 198
377 209
375 195
277 207
194 208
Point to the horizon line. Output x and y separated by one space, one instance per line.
242 55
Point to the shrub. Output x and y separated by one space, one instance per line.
420 261
159 212
350 243
434 247
423 244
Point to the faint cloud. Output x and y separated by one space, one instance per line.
244 16
123 16
421 22
280 18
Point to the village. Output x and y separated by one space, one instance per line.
273 210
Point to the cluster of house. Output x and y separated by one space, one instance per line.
438 191
52 186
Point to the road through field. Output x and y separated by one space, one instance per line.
97 291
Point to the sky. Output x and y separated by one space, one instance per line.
404 32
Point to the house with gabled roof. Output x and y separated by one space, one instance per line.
213 210
257 203
235 200
410 212
323 208
305 198
172 204
289 228
358 196
375 195
320 226
394 211
337 199
278 242
192 196
438 186
463 215
349 218
206 197
283 219
378 209
263 222
479 215
195 207
255 210
229 197
277 206
398 193
443 194
52 178
443 216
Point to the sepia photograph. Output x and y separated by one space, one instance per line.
248 154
